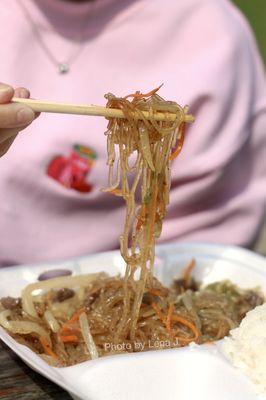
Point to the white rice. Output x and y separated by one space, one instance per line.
246 346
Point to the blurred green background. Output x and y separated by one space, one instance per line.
255 11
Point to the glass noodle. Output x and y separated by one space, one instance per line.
153 144
70 319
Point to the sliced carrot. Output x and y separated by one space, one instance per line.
69 338
75 316
167 320
70 330
187 271
156 292
180 142
139 95
66 327
47 348
188 324
158 312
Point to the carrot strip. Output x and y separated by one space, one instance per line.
188 324
180 142
67 328
139 95
69 338
47 348
167 320
156 292
70 330
187 271
158 312
75 316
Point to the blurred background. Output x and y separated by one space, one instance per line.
255 11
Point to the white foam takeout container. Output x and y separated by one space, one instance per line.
199 372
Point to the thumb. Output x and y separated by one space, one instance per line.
6 93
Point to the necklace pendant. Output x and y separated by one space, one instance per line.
63 68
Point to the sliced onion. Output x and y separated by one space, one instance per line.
22 327
55 283
51 321
85 330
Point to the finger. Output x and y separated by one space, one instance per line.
22 92
6 134
6 145
15 115
6 93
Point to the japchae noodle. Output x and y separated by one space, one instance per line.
151 143
72 319
79 322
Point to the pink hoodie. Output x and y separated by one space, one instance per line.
51 205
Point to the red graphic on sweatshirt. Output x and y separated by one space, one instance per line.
72 170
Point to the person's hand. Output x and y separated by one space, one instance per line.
13 117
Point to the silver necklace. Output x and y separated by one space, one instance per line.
63 67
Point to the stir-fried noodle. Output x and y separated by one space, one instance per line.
68 319
152 145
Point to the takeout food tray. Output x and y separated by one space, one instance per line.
200 372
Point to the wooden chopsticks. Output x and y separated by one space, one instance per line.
85 109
